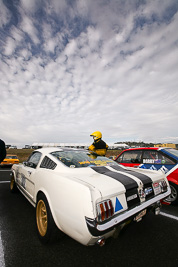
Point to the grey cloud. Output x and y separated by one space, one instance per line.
112 76
5 15
30 6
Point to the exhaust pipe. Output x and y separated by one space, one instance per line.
157 211
101 242
157 208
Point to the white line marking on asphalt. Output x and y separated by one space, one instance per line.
2 262
4 182
169 215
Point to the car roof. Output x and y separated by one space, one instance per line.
11 155
148 148
54 149
142 148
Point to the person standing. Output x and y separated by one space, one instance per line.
2 150
98 146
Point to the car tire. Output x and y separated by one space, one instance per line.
13 186
173 198
46 227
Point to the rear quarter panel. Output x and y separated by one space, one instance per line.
70 201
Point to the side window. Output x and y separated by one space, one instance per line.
165 160
34 159
150 156
130 157
155 157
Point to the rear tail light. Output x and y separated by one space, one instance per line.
104 210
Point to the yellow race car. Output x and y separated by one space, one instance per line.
10 160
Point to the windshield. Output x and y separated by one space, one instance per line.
172 151
78 159
11 157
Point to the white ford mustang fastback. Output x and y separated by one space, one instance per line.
87 197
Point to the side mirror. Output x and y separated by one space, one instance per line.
31 165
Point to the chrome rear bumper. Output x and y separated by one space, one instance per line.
98 229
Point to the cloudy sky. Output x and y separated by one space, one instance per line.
71 67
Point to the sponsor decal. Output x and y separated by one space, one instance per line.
142 166
164 169
118 205
131 197
153 161
152 167
96 162
148 161
158 161
157 188
148 190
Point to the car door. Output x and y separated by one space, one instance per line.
130 158
156 160
27 174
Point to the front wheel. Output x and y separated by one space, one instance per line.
173 197
46 227
13 186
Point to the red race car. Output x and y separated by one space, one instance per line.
154 158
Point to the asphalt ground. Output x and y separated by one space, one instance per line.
151 242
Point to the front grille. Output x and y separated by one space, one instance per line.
47 163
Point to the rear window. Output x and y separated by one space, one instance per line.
78 159
172 151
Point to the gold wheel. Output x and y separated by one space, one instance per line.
12 183
13 187
41 217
